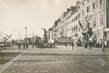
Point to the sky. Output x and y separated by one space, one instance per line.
15 15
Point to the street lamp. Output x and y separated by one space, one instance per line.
25 32
25 44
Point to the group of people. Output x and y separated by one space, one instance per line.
88 41
26 42
35 42
22 44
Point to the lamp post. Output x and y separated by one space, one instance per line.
25 32
26 45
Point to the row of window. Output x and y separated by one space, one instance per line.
93 7
101 22
76 18
75 29
100 2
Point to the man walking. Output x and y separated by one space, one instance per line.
72 42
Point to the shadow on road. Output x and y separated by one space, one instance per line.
7 56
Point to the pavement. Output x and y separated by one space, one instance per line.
10 49
7 54
66 50
58 60
85 51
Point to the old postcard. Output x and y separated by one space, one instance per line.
54 36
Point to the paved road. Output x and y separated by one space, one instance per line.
8 53
57 60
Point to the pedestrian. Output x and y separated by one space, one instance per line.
75 39
72 42
23 45
100 43
27 44
19 44
103 44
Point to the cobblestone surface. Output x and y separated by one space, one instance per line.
58 61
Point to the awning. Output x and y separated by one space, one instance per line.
64 40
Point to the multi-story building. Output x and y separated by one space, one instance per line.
93 13
62 28
106 19
73 25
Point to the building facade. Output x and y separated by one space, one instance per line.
93 13
107 20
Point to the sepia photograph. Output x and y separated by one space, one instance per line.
54 36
